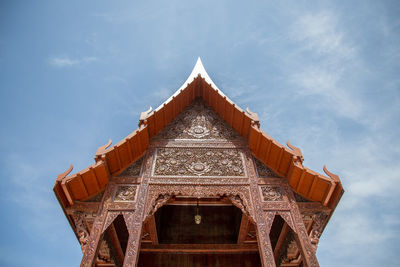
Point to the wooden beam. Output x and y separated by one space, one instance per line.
244 229
151 227
112 233
199 248
281 240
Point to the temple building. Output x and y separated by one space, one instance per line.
198 183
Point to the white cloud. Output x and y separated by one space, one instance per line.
325 83
319 32
332 57
65 61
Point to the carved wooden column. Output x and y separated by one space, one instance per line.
134 219
91 247
306 248
261 218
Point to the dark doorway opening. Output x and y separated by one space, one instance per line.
219 224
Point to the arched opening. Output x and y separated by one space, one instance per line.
224 236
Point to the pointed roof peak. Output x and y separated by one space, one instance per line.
198 69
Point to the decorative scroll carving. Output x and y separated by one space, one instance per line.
271 193
238 202
317 227
125 193
207 143
198 121
159 194
199 162
158 203
263 171
81 230
125 205
133 170
201 181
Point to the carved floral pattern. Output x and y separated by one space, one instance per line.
317 227
271 193
198 162
159 194
125 193
133 170
81 229
263 171
198 121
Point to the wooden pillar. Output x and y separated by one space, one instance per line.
303 241
244 229
92 244
261 218
264 243
134 219
90 251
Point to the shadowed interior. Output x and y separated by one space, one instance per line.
219 224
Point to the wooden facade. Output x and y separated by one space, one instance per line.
198 153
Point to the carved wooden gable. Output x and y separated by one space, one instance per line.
191 146
198 121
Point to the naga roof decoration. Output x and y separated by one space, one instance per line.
285 162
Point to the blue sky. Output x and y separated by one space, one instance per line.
323 74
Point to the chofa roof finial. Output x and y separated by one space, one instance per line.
102 149
333 176
296 151
144 115
253 116
61 176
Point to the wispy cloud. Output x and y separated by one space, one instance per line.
320 33
330 55
65 61
324 83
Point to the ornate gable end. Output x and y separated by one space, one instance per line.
198 116
198 121
198 143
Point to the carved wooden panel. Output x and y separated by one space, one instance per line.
125 193
133 170
198 121
271 193
199 162
263 171
158 195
